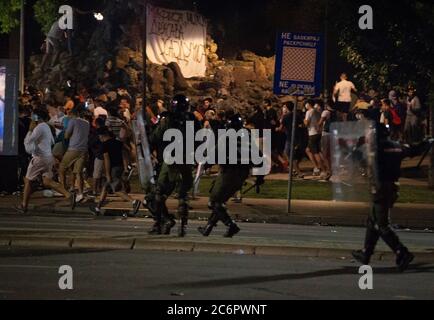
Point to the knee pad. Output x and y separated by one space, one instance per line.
219 207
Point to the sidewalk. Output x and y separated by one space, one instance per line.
407 164
413 216
77 233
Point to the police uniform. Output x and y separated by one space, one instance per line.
231 178
389 158
171 175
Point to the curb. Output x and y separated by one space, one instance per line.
194 246
296 219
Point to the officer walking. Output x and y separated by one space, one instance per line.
389 158
230 180
170 175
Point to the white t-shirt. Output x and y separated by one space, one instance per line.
344 88
313 117
43 140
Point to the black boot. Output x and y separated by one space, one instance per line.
170 222
182 231
403 259
183 214
155 207
362 257
233 229
371 239
212 222
156 229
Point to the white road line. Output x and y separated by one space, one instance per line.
14 266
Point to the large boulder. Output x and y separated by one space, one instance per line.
242 75
260 70
180 82
248 56
155 81
224 75
170 81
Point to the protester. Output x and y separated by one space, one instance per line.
328 116
76 156
39 142
313 150
299 140
342 94
413 130
24 122
113 163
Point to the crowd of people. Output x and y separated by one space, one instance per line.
85 146
402 113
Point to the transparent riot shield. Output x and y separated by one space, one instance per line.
353 160
144 160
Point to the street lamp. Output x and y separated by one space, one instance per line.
98 16
22 52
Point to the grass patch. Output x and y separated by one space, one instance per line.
314 190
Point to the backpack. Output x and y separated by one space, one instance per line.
396 120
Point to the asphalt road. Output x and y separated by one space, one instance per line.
33 274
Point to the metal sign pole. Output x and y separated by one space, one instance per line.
22 52
291 157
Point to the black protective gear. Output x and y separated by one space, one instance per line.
179 104
235 122
361 256
371 238
403 260
212 222
183 215
169 224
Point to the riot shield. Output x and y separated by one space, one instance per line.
144 160
353 159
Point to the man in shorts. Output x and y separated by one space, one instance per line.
39 142
113 164
77 154
313 150
342 93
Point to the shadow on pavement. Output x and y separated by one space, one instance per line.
26 253
416 268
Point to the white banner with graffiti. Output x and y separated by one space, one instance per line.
177 36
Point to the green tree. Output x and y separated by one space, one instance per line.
46 12
9 15
399 49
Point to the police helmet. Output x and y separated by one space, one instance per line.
179 104
235 122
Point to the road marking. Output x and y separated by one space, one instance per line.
27 266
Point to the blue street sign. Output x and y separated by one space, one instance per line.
299 58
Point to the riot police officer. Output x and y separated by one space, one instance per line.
170 175
389 157
230 180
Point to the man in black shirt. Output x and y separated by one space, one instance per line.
300 138
113 163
